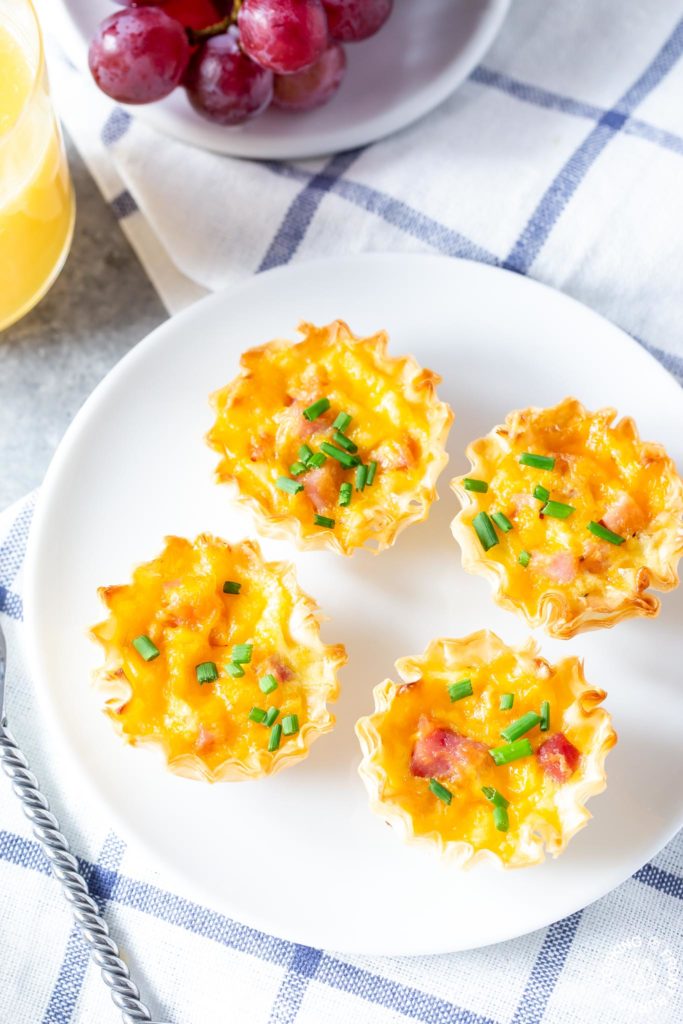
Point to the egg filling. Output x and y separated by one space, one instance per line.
331 441
572 517
215 656
486 749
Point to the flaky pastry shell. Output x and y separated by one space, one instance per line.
396 421
574 580
388 742
178 601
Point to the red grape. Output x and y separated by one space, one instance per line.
141 3
139 55
224 85
283 35
195 13
314 86
353 20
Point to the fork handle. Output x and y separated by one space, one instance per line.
64 866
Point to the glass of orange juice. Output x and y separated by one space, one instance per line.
36 196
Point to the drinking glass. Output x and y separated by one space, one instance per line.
36 196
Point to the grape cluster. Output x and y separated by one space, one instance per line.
233 57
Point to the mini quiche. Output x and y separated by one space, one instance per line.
215 656
572 517
330 440
486 751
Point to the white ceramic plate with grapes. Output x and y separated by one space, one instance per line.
414 61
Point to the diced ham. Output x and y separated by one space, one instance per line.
624 516
561 567
595 557
440 752
276 666
292 424
321 486
206 740
396 454
558 757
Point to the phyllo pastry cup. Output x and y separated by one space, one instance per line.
486 751
571 517
330 441
215 656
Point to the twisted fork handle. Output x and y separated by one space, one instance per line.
64 865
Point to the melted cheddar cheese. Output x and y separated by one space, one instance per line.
177 601
396 422
542 810
574 580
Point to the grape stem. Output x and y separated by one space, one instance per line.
198 35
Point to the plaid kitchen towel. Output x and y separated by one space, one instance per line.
619 960
562 158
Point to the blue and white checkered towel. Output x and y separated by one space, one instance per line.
561 157
620 960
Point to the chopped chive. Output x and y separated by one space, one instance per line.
475 485
235 670
557 510
545 715
500 818
494 796
324 521
275 736
342 421
257 715
511 751
440 791
317 460
268 683
346 459
372 469
361 477
344 442
506 701
241 653
290 725
206 672
537 461
304 453
501 521
483 527
271 715
520 726
317 409
288 486
297 468
459 690
598 530
230 587
145 648
524 558
345 492
542 493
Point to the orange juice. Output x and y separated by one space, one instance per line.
36 198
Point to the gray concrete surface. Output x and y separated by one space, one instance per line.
101 305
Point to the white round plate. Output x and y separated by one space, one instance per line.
300 855
426 49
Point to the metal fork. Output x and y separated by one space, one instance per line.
64 866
